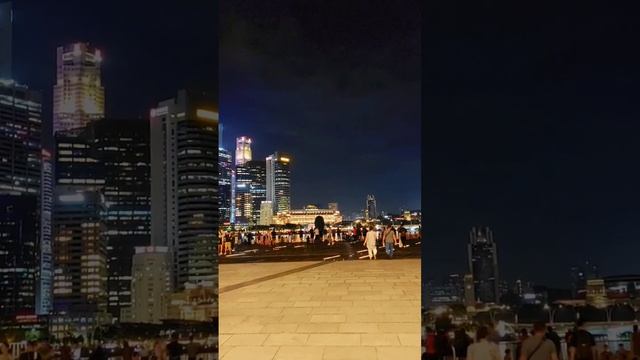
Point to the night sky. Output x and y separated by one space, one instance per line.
150 49
531 127
334 83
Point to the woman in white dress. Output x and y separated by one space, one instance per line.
370 243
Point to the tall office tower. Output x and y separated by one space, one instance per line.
44 295
243 150
80 255
78 95
232 212
20 139
243 203
279 181
18 254
151 284
266 213
257 187
6 24
121 148
469 291
225 169
371 211
184 183
77 166
483 264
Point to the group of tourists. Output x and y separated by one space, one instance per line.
541 343
390 238
158 349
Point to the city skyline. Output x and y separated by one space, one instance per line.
296 80
534 137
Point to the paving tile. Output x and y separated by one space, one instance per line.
350 353
251 352
300 353
334 339
379 340
398 352
286 339
246 339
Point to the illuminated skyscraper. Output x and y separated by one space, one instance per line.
121 148
483 264
266 213
243 203
372 208
278 166
257 187
225 169
80 259
184 183
44 295
78 95
20 139
151 284
6 20
243 150
18 254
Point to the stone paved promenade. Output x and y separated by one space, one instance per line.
339 310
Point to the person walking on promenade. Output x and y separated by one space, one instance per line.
524 335
553 336
389 238
159 350
583 345
482 349
65 350
127 351
635 341
370 243
461 342
537 346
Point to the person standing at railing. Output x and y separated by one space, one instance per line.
537 346
583 345
635 341
193 349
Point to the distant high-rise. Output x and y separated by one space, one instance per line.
243 150
20 139
78 95
372 209
225 170
184 183
469 291
44 295
266 213
243 203
580 274
80 253
151 284
6 24
121 148
483 264
333 206
278 166
18 254
257 187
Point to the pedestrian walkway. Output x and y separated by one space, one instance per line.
339 310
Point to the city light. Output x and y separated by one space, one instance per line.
206 114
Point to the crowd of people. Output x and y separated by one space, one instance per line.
230 240
158 349
540 343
